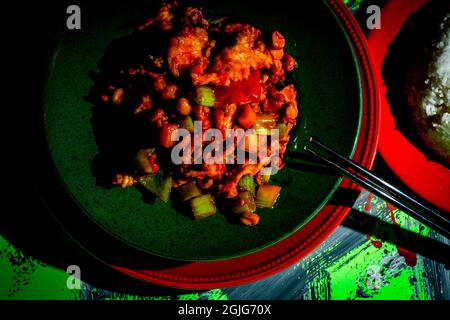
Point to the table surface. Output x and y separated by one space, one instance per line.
365 258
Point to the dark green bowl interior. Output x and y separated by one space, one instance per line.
330 108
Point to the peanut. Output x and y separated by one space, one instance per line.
249 219
184 107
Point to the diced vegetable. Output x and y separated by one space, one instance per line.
266 177
143 160
267 195
264 123
246 116
247 183
203 206
205 96
282 129
189 191
188 124
244 202
240 92
160 184
245 91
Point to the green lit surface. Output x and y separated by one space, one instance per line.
23 277
353 5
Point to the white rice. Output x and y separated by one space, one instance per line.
435 99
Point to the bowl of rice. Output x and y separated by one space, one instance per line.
412 54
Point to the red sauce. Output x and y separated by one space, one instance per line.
390 207
245 91
376 243
368 205
410 257
153 164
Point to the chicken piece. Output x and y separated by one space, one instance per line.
145 104
291 113
235 63
191 46
163 18
205 184
170 92
158 118
289 93
289 63
214 171
179 182
231 180
291 110
194 17
201 113
278 41
159 81
275 100
224 117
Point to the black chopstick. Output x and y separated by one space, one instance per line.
385 184
383 189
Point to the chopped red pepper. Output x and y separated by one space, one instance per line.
245 91
154 165
197 69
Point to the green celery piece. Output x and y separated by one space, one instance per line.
247 183
189 191
188 124
267 195
266 177
282 129
244 202
160 184
264 123
203 206
205 96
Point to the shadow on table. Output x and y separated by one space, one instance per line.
385 231
32 230
394 234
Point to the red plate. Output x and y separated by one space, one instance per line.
252 267
428 179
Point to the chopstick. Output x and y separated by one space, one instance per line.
406 202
